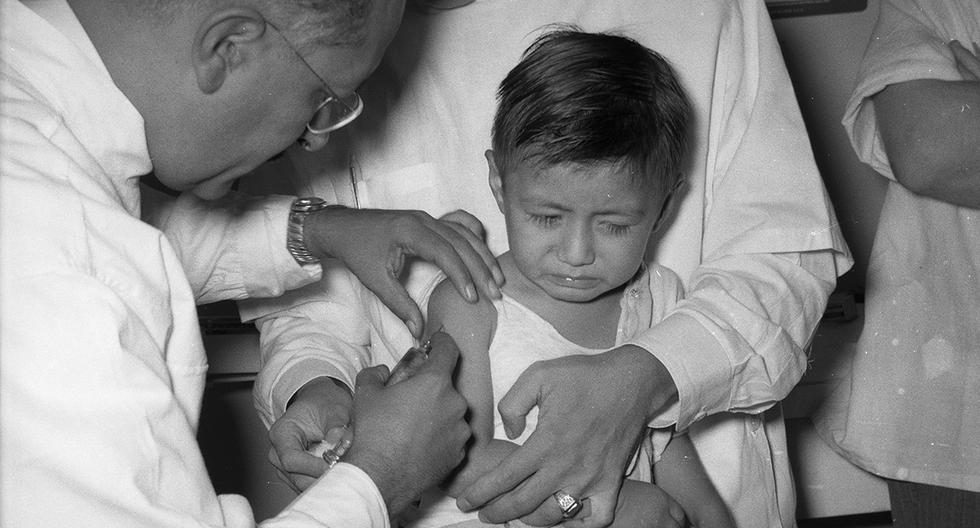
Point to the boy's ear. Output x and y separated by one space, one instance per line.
221 44
669 204
496 184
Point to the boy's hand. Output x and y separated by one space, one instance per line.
319 406
374 244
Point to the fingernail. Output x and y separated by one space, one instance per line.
463 504
494 289
471 293
413 328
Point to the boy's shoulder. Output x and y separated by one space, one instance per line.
448 307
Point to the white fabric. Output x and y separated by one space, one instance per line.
754 240
101 362
521 337
910 407
254 264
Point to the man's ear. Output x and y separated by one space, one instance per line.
220 44
496 184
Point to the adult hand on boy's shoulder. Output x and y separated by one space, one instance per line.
592 412
374 244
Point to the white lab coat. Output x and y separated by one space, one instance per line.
101 362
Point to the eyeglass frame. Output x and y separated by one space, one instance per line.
352 111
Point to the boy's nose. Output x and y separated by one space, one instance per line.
577 247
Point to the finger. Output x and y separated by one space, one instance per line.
602 512
530 500
300 462
502 479
290 443
467 220
441 245
676 512
966 62
456 256
443 355
371 377
477 239
580 520
519 400
491 287
393 294
296 481
550 511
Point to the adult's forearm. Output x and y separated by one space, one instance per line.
737 342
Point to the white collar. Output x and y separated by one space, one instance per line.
48 45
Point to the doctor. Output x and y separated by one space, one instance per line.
102 366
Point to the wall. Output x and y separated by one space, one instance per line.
823 54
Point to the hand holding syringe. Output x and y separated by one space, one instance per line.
338 439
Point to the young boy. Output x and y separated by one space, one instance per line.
588 143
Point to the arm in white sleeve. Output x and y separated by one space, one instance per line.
345 497
100 423
738 341
232 248
770 248
316 331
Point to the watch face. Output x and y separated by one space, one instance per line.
303 205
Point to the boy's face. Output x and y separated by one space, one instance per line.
576 231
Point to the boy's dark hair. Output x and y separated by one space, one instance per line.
592 97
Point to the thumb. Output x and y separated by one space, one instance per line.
371 377
515 405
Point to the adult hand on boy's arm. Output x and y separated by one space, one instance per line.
374 244
593 410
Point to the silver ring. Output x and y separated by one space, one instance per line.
570 506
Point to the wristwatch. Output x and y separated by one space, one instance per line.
295 243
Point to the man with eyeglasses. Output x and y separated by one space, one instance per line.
101 362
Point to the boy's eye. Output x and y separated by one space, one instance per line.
543 220
617 229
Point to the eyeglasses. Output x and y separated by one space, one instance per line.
334 112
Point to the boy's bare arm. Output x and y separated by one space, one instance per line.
680 473
472 327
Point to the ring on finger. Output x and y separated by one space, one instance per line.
570 506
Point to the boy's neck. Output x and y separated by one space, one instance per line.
591 324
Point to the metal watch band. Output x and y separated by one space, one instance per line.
295 243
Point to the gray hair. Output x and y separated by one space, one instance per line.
308 23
